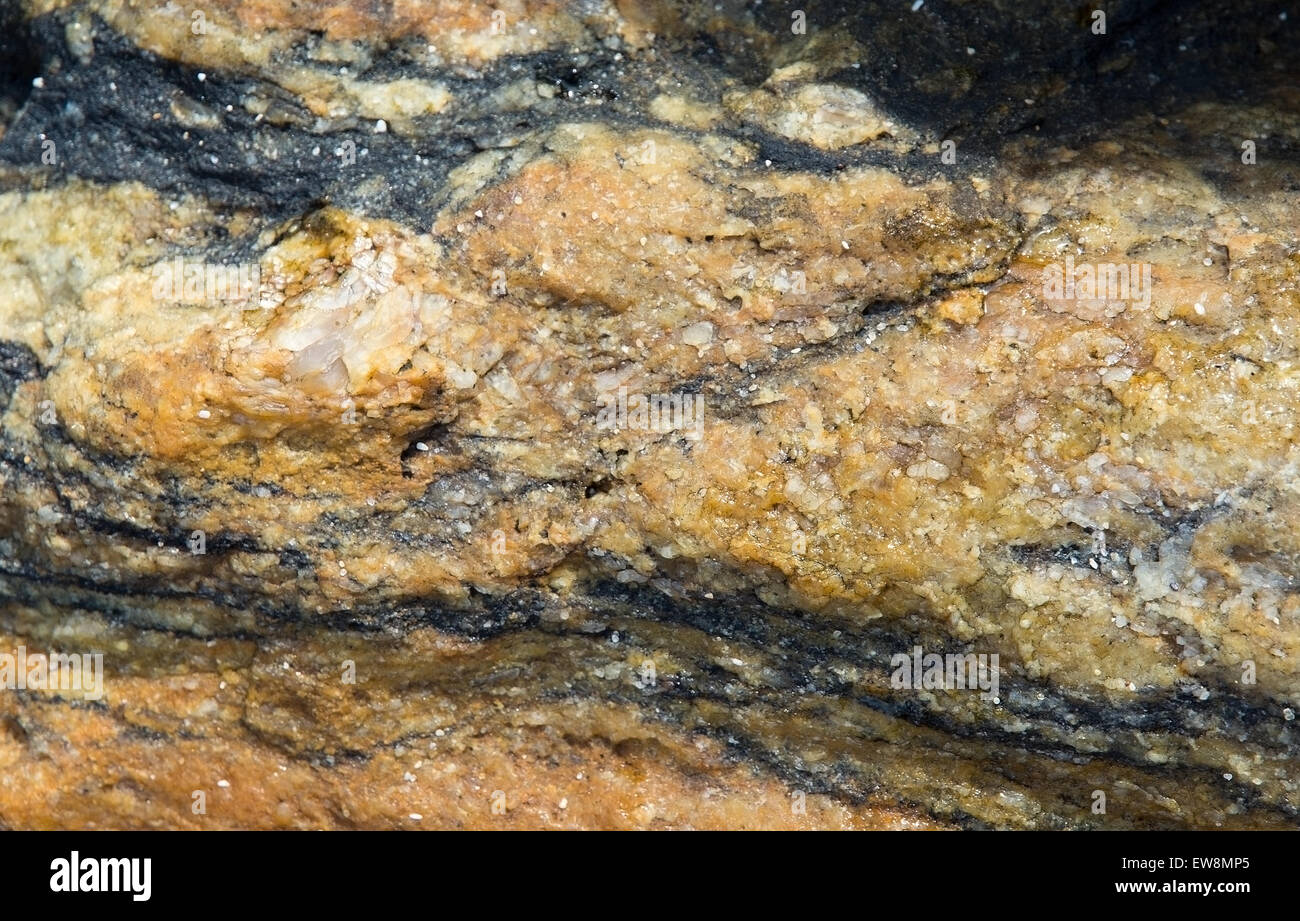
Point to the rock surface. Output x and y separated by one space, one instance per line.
323 332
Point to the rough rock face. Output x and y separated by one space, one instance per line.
327 334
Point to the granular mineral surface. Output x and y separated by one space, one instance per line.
637 414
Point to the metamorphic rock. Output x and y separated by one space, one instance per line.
644 414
